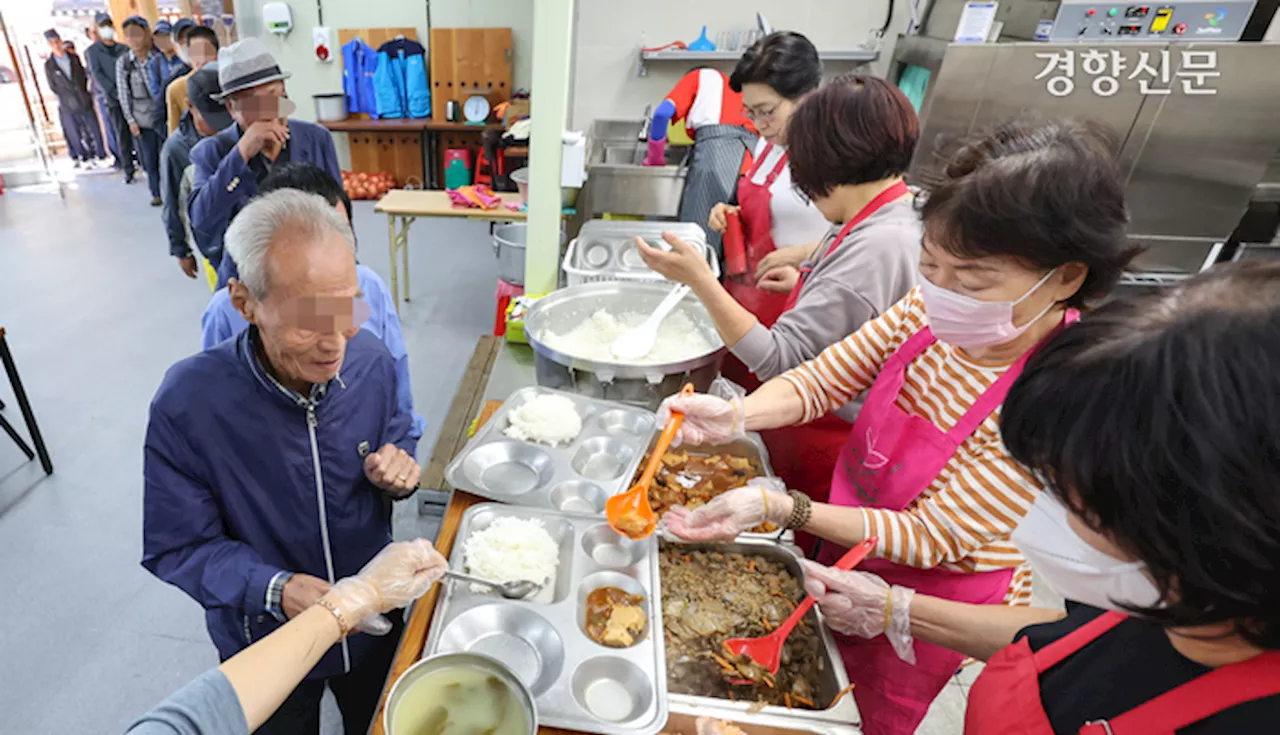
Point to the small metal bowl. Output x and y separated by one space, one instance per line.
405 685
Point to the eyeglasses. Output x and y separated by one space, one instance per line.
762 116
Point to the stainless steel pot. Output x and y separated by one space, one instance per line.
510 243
404 686
640 385
330 107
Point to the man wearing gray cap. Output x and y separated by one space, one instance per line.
229 165
205 116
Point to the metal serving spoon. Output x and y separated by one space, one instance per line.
514 590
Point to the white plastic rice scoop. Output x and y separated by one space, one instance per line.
637 343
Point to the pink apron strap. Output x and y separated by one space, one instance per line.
994 396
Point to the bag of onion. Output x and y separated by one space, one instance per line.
367 185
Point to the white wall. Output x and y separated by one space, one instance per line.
313 77
611 32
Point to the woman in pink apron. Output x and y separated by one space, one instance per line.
851 142
924 468
1154 421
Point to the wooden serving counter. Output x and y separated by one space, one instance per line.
479 382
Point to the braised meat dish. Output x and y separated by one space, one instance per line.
709 597
692 479
614 617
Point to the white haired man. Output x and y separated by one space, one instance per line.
270 458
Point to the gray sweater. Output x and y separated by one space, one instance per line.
874 267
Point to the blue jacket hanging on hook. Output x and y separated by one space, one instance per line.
359 63
400 80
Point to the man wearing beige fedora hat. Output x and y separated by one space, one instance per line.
230 165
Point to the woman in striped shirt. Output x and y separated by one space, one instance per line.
1021 228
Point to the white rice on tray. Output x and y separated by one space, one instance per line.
512 549
679 339
545 419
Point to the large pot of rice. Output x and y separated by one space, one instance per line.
571 331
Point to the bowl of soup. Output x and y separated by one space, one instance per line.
459 694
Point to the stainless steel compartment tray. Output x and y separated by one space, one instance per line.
845 711
608 245
576 477
542 639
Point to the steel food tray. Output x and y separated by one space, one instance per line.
542 639
610 244
577 477
752 447
834 679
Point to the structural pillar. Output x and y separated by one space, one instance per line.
552 57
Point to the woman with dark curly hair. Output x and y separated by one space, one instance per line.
1023 227
1153 423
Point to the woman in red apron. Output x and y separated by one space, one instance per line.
853 178
1160 527
924 468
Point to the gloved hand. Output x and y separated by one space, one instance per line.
399 574
708 726
737 511
715 417
657 153
863 605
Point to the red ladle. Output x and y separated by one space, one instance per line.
767 650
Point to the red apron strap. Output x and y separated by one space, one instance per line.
751 174
994 396
1053 654
1204 696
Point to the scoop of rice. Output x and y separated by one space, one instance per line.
546 419
512 549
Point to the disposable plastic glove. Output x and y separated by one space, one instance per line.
709 418
737 511
863 605
399 574
708 726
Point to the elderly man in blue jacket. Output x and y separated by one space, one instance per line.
270 458
230 165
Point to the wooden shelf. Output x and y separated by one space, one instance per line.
402 125
860 55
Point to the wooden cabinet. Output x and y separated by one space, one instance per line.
467 62
399 153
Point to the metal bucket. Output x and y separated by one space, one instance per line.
510 242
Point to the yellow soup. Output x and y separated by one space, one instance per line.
460 701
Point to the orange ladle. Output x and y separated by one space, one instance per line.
767 650
629 513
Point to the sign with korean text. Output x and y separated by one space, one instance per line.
1103 72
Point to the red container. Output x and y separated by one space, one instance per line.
735 247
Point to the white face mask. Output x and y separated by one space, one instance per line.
182 54
1073 568
968 323
107 33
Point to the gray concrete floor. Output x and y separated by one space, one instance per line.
96 311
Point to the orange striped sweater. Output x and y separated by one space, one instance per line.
962 521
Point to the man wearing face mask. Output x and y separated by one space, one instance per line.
230 165
1154 423
270 458
100 59
924 471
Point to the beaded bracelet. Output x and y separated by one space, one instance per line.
801 510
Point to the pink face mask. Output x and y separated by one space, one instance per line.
968 323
